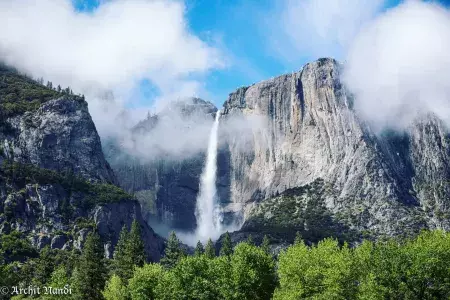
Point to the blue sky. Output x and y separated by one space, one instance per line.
238 27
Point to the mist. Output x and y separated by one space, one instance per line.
398 66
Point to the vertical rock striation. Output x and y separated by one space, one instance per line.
311 132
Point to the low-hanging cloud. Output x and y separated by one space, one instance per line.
112 48
398 67
177 135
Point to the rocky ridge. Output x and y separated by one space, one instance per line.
388 184
55 184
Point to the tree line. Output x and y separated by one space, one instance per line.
417 268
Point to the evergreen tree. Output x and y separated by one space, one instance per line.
265 245
44 266
58 89
250 240
173 251
210 251
298 238
199 249
227 248
122 264
135 248
91 272
49 84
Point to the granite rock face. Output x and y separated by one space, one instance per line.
294 153
384 184
59 136
110 219
55 183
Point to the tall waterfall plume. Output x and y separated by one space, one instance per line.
208 209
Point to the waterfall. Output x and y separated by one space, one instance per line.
208 210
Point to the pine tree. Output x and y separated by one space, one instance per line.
298 238
122 264
135 248
227 248
199 249
58 89
210 251
91 273
44 266
250 240
265 245
173 251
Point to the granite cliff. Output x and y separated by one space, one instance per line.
373 184
309 164
55 184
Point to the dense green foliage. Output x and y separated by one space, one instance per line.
89 278
129 252
17 175
15 247
227 248
210 250
19 93
173 252
199 250
301 209
409 269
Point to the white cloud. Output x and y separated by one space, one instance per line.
399 65
318 28
111 48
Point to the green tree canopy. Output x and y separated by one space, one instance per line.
325 271
115 289
227 248
148 283
173 251
199 249
210 251
253 273
265 245
91 272
135 247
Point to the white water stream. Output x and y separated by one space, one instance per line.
208 212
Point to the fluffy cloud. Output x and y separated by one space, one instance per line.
119 42
112 48
319 28
399 67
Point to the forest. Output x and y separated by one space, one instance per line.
414 268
